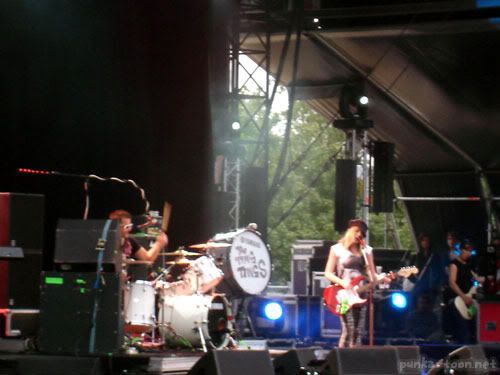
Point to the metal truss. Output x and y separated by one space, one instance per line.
249 97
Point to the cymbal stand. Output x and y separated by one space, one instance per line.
241 307
202 338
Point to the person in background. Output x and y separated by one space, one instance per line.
347 259
431 274
453 245
130 248
461 280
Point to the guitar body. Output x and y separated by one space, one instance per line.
467 312
339 300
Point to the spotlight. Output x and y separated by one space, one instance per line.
273 310
363 100
399 301
236 125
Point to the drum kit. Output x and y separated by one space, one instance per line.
187 301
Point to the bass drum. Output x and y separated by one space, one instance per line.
180 319
246 263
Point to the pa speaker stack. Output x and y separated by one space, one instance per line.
244 362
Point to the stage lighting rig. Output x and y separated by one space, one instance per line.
353 107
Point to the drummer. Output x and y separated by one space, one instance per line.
130 248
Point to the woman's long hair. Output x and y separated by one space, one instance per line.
349 237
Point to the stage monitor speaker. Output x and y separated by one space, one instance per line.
383 177
254 198
361 361
294 361
466 360
409 360
68 302
243 362
76 243
345 193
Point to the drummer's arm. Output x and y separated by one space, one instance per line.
152 253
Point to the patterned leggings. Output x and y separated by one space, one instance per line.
352 327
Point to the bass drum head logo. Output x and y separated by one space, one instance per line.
250 262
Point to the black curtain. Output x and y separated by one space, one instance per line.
113 89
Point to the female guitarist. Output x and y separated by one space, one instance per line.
348 259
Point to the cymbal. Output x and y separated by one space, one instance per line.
181 262
133 261
210 245
181 252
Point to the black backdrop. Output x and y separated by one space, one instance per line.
113 88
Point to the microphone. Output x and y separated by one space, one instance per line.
362 242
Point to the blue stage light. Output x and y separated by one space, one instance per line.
273 310
399 300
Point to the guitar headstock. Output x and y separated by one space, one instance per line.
407 271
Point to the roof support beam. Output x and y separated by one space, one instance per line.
338 52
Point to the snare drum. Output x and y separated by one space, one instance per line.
181 317
140 308
246 263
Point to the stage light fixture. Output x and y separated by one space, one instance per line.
399 301
273 310
353 103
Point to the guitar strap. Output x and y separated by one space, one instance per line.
367 265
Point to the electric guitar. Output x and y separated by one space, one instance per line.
467 311
339 300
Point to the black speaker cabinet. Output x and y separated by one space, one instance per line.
244 362
21 225
68 323
345 193
362 361
254 198
22 220
464 361
383 176
76 243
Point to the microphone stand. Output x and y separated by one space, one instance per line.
370 296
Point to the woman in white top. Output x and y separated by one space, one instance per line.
349 258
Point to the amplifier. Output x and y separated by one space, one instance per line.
489 322
77 240
74 314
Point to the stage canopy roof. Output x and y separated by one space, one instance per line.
432 73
